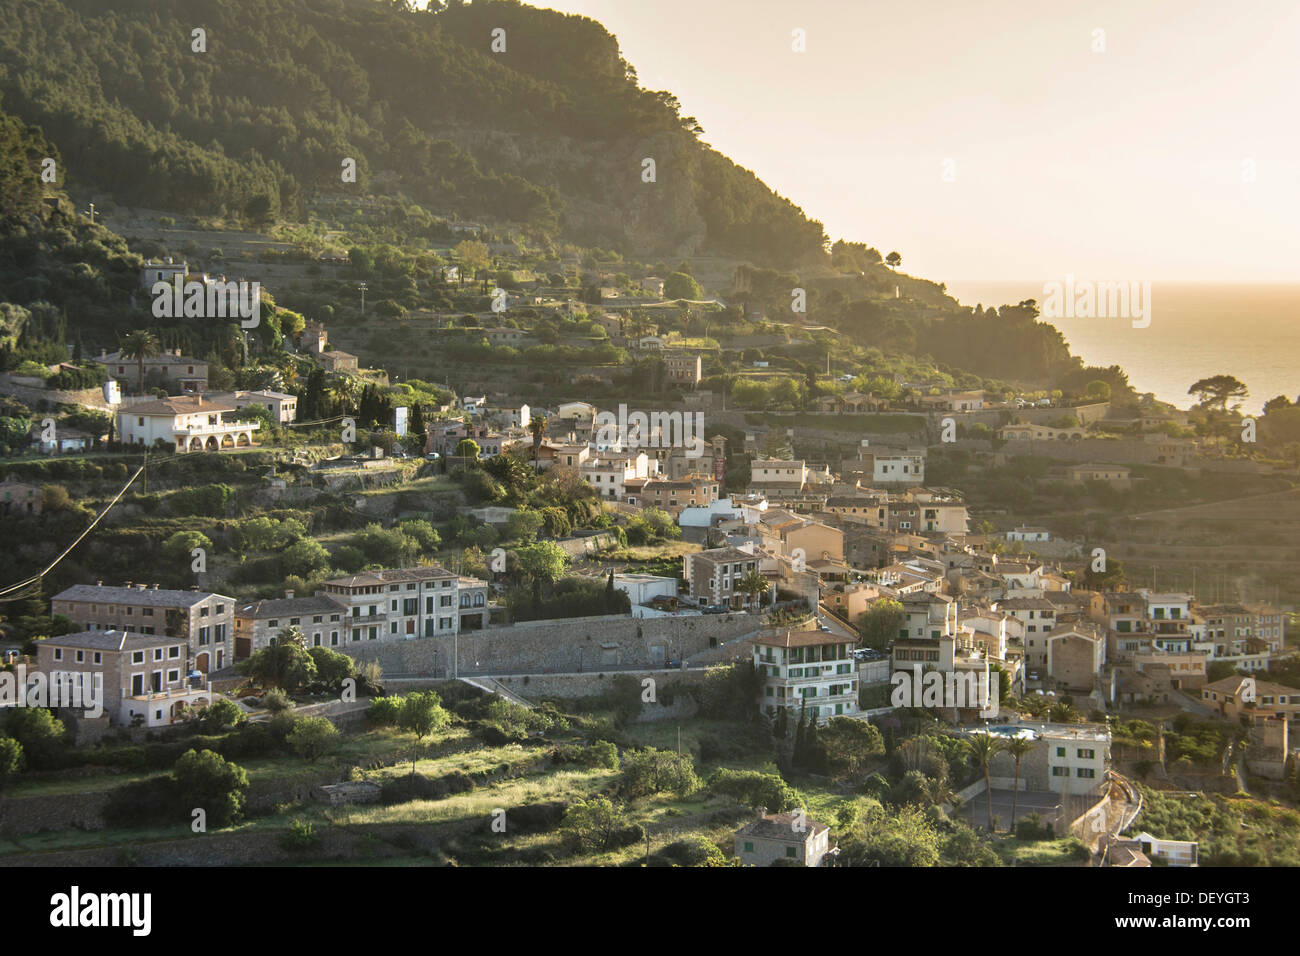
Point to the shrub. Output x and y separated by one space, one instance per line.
755 789
694 850
1032 827
312 737
385 711
300 836
277 701
598 754
658 771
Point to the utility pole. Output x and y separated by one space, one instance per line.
91 212
362 287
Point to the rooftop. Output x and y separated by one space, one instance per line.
111 640
139 594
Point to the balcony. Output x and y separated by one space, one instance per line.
220 428
194 686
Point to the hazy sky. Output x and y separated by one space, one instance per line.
1130 163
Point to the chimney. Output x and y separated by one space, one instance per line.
129 584
99 584
155 587
288 595
762 812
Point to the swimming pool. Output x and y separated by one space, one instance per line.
1005 731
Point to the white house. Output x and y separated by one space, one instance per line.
1026 533
284 408
607 474
641 589
1076 758
163 271
893 466
187 422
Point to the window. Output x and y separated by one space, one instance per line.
1086 754
58 653
749 847
173 676
174 652
81 656
137 657
1060 751
791 852
98 657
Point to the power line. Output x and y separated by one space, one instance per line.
36 579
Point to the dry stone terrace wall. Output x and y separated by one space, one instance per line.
580 644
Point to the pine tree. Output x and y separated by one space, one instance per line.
797 756
416 427
812 752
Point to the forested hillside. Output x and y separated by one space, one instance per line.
550 133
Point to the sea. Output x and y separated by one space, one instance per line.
1196 330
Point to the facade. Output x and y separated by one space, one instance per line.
608 474
1077 758
782 836
334 360
777 472
165 271
189 423
886 466
1117 476
202 620
683 367
671 495
283 408
1238 696
20 498
807 672
257 624
187 375
408 603
146 677
712 576
1075 655
643 590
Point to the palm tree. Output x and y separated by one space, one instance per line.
1017 747
984 747
140 345
537 428
751 584
1063 713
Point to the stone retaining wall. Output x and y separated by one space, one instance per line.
571 645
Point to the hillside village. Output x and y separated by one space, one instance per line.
695 525
461 506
